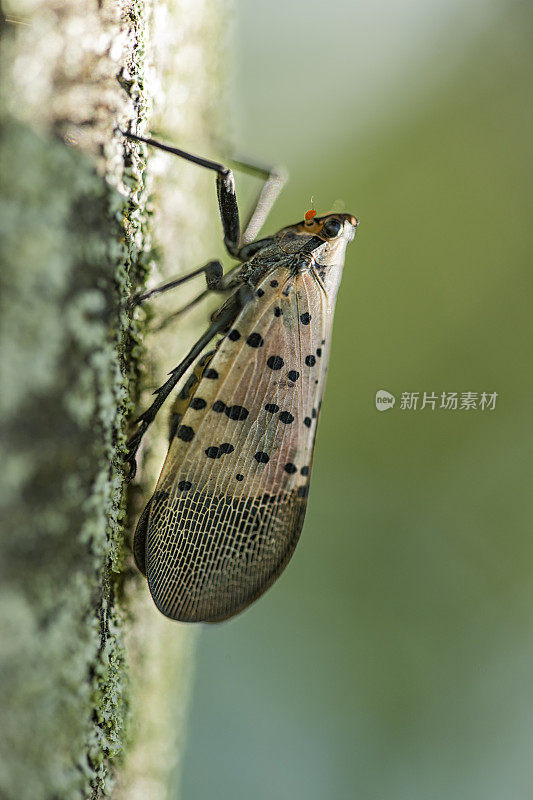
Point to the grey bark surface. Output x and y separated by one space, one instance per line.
94 682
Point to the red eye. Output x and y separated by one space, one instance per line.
310 214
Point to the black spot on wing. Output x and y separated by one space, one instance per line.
232 412
197 403
275 362
185 433
217 451
236 412
286 417
255 340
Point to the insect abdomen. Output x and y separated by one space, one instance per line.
218 553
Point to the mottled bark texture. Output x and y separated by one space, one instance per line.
80 643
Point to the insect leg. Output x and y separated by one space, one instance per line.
216 282
274 180
227 282
227 315
227 201
213 274
175 314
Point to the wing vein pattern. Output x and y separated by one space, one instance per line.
229 505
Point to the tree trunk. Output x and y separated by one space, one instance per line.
94 681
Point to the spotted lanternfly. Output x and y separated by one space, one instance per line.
229 504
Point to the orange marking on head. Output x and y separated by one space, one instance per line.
310 214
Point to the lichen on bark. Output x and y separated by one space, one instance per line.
74 243
94 681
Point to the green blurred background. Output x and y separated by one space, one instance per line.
394 658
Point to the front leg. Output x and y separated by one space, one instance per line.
227 201
274 178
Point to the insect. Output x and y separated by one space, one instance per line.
230 502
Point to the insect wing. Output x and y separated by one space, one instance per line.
230 502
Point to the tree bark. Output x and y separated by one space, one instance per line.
94 680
